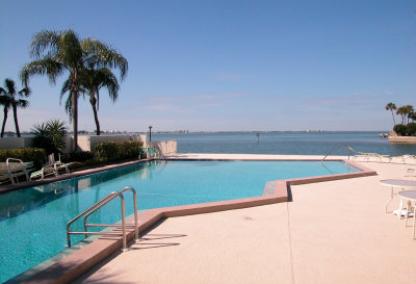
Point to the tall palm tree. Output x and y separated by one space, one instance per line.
56 53
402 112
409 112
392 107
91 81
10 98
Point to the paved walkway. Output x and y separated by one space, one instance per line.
332 232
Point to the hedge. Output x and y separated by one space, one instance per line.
111 151
78 157
35 155
405 130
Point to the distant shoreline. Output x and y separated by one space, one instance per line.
25 134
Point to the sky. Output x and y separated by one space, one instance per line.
229 65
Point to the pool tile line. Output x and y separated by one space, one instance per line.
12 187
68 267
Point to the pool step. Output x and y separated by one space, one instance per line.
110 225
270 187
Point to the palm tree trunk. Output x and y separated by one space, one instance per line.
74 103
93 102
394 120
16 122
5 110
75 120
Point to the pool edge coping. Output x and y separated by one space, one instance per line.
12 187
67 267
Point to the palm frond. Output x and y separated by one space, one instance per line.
102 55
40 129
45 41
66 87
68 107
5 100
70 51
109 81
45 66
21 103
25 92
10 87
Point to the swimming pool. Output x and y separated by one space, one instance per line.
32 220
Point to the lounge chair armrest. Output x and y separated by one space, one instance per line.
13 160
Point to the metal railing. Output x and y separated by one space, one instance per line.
88 212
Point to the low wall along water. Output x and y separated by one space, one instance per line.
402 139
88 142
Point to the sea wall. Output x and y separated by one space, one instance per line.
15 142
166 147
85 142
402 139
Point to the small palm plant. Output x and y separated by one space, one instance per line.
50 136
10 98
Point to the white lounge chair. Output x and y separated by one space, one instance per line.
17 168
58 165
407 159
367 156
4 174
46 170
51 168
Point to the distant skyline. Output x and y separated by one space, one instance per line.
229 65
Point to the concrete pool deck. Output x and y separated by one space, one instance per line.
332 232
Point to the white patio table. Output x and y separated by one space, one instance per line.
410 196
400 184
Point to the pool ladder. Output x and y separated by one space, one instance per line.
124 226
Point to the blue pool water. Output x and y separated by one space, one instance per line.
32 220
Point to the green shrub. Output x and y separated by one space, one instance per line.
78 157
411 129
400 129
105 152
111 151
405 130
130 149
35 155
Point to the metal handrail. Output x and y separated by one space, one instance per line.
333 149
86 213
125 189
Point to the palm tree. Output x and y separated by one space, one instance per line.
409 112
91 81
412 116
404 112
392 107
11 99
57 52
